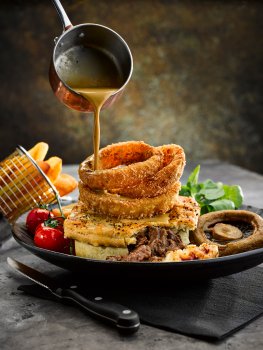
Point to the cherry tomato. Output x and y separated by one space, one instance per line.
51 238
56 222
35 217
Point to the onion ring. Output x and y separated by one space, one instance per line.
141 161
113 205
170 172
255 240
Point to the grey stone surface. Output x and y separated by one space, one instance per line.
27 322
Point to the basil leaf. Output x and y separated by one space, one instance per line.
223 204
210 184
193 177
184 191
200 198
195 189
206 209
212 193
235 194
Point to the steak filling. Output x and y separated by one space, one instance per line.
151 245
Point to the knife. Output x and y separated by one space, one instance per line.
125 319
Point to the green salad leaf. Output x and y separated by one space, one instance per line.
210 195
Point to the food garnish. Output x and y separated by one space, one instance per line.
210 195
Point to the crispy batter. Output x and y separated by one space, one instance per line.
169 173
148 171
140 161
114 205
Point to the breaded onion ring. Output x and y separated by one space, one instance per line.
207 221
169 173
122 207
140 160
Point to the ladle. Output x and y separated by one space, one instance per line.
88 35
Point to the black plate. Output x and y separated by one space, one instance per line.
145 271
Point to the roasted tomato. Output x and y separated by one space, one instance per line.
35 217
51 238
56 222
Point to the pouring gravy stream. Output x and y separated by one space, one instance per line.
97 98
94 75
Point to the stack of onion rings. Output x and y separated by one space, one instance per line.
134 180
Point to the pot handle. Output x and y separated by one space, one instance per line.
62 14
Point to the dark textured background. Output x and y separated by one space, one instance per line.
197 78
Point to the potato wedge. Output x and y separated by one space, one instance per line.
54 171
52 167
44 166
65 184
65 209
39 151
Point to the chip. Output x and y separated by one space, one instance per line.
66 210
39 151
52 167
44 166
55 169
65 184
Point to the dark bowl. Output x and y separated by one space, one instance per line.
145 272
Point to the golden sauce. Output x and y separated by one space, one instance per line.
94 75
97 98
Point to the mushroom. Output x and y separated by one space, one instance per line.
210 220
226 232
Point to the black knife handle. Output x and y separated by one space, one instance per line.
124 318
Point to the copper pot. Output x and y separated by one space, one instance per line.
88 35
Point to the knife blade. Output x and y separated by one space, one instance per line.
39 292
122 317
